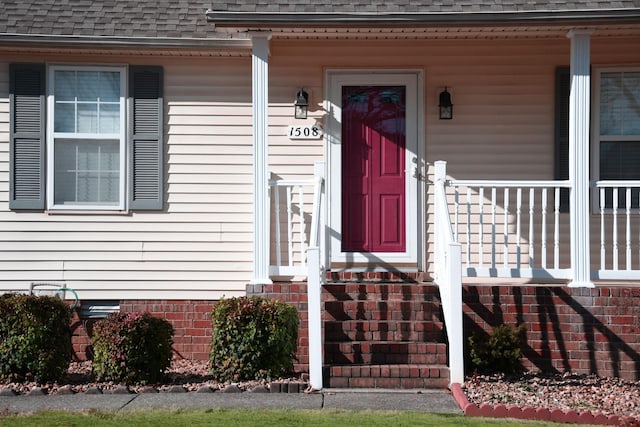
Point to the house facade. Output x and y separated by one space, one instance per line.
154 160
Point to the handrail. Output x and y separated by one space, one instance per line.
616 183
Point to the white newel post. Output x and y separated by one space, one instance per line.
260 101
315 267
579 102
448 259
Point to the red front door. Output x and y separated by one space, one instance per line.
373 169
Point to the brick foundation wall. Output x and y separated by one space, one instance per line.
191 320
579 330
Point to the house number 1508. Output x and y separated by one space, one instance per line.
304 132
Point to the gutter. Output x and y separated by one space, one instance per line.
336 19
40 40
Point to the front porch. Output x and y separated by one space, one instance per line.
502 253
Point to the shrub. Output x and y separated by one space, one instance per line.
132 348
35 338
253 338
500 352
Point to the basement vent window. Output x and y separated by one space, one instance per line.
98 309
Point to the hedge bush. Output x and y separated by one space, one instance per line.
132 348
253 338
500 352
35 338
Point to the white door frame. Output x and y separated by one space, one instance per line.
414 168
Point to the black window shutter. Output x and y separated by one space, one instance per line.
27 136
145 138
561 170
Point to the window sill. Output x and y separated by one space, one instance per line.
86 212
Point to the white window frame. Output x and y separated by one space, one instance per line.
596 138
52 136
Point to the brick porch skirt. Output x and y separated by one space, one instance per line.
567 329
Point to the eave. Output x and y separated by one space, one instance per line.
225 45
279 19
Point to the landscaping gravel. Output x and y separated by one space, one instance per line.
609 396
192 375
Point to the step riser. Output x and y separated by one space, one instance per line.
382 326
380 292
385 359
389 383
381 310
398 336
388 376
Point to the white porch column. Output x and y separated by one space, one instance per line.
579 101
260 101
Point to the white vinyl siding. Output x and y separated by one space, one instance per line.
198 247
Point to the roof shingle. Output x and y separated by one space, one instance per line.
185 19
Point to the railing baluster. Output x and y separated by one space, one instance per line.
628 228
303 242
505 227
493 227
456 211
615 229
603 248
556 228
518 228
531 235
481 224
289 227
276 191
543 241
468 257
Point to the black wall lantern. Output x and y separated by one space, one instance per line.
301 104
446 107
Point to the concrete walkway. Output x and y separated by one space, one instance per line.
435 401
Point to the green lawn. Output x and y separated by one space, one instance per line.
251 417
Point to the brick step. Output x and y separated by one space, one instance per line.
382 310
419 332
387 376
375 276
385 352
380 292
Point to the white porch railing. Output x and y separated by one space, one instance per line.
618 214
511 228
519 229
296 207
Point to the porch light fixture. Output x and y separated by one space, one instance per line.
446 107
301 104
